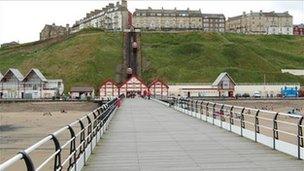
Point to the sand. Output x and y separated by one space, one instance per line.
23 124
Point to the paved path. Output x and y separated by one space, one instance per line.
145 135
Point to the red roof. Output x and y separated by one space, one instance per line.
158 80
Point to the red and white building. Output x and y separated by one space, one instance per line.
298 29
109 88
158 88
133 85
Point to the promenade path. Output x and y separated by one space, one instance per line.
145 135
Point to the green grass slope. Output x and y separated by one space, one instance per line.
91 56
200 57
86 58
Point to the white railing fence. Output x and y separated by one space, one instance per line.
69 153
280 131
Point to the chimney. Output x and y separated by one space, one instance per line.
53 24
244 13
117 4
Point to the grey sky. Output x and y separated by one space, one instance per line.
23 20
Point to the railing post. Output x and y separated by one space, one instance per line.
256 125
231 117
275 130
207 111
188 105
72 161
222 115
90 132
242 121
196 107
300 136
28 161
201 110
82 140
213 112
57 162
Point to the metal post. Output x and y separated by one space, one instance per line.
72 161
207 111
28 161
222 115
213 112
256 125
90 132
196 108
242 121
300 136
275 130
57 162
188 105
82 139
201 111
231 117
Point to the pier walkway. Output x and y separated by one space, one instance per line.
145 135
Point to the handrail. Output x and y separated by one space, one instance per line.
277 126
86 135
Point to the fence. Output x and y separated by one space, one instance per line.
84 135
280 131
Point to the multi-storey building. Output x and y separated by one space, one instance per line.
34 85
213 22
163 19
112 17
261 23
52 31
298 29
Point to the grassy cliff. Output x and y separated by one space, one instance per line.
91 56
86 58
200 57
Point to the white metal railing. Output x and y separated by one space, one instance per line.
92 126
280 131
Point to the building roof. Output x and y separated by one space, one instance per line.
15 72
299 26
82 89
158 80
140 80
54 80
149 11
220 77
10 43
213 15
37 72
261 13
108 80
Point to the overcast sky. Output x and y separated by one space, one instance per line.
23 20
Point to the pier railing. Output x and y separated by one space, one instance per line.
280 131
72 144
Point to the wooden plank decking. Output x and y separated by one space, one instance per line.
145 135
